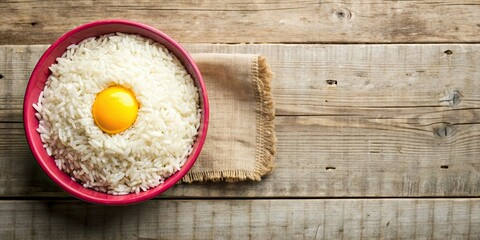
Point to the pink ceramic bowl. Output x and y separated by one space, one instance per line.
36 84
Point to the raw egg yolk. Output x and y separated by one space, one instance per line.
115 109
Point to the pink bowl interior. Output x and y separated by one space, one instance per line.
37 83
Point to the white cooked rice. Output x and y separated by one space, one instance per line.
147 153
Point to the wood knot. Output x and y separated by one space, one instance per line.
33 24
455 98
342 14
444 131
1 76
452 99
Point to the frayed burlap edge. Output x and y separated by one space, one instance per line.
265 139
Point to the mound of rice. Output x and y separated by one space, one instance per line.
153 148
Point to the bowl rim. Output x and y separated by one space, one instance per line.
117 199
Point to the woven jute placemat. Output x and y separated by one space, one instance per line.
240 143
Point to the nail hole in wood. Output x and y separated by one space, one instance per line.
444 167
448 52
33 24
331 82
330 168
444 131
1 76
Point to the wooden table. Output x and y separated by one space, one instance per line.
378 122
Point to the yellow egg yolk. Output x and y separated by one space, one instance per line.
115 109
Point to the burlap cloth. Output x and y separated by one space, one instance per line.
240 143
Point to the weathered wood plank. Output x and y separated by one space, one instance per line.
315 158
232 21
418 84
244 219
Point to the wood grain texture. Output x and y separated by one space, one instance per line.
244 219
402 120
353 121
314 159
233 21
424 83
